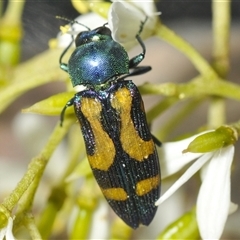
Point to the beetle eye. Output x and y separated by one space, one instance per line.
81 38
103 31
89 36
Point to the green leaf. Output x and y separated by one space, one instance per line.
52 105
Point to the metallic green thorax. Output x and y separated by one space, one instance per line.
97 61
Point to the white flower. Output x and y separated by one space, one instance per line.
125 18
7 231
213 201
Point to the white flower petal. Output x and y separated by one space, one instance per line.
171 156
124 21
148 7
178 147
184 178
7 231
9 234
2 233
214 195
173 165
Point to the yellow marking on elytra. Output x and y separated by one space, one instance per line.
118 194
104 151
132 144
145 186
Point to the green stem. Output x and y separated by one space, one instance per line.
185 227
10 37
197 86
58 195
177 117
36 168
31 74
220 24
13 12
26 200
160 107
30 224
216 112
51 210
76 147
197 60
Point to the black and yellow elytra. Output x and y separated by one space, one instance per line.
110 110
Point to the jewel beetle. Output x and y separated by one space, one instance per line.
120 148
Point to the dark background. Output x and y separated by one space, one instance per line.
40 24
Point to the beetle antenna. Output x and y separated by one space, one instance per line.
71 22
